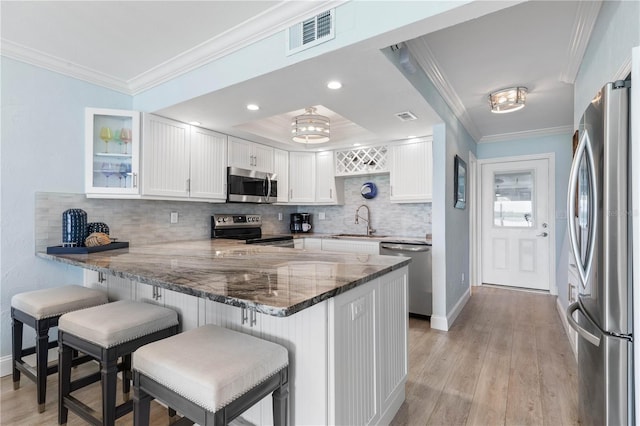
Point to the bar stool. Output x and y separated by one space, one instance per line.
211 375
41 309
107 333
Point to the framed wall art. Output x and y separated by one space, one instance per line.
459 183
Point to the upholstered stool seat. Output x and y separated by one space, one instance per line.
107 333
210 375
41 310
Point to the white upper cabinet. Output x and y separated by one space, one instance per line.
328 191
281 171
411 171
165 157
208 165
112 153
182 161
312 179
302 177
250 155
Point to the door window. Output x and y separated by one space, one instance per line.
513 195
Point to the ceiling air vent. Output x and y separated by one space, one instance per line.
406 116
311 32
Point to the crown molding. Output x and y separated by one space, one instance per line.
40 59
549 131
624 70
271 21
583 25
423 55
261 26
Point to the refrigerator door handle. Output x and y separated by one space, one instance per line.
584 148
589 337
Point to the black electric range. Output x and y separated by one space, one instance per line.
248 228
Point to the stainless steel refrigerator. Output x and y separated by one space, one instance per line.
600 239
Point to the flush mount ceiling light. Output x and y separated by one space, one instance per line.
334 85
310 127
253 107
508 100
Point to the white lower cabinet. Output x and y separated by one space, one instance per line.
368 330
347 354
351 246
118 288
312 244
185 305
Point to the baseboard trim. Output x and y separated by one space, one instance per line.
444 323
5 365
394 407
567 328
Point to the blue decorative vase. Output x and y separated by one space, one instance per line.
97 227
74 227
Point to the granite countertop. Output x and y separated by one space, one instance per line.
273 280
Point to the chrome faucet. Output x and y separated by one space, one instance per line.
370 231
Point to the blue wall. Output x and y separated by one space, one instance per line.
42 150
451 239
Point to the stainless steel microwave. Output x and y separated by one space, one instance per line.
250 186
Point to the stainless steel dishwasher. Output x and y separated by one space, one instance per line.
420 288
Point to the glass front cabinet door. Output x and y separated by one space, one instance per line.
112 152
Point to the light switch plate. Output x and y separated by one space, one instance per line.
174 217
321 216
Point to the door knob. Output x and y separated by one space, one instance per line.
543 234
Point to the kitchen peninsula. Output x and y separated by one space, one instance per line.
343 317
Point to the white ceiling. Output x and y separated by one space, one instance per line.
131 46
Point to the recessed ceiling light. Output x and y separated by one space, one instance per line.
253 107
356 144
411 136
334 85
195 123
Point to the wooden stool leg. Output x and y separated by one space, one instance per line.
141 404
16 340
126 377
64 378
280 398
42 350
109 372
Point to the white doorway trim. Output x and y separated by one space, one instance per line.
550 156
473 220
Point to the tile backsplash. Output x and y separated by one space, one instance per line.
387 218
148 221
144 221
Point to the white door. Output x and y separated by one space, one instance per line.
516 228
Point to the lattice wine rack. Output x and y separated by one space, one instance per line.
362 161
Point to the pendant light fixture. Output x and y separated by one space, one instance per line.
310 127
508 100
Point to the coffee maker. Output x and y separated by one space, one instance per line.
300 222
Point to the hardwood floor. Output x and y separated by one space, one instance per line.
506 361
